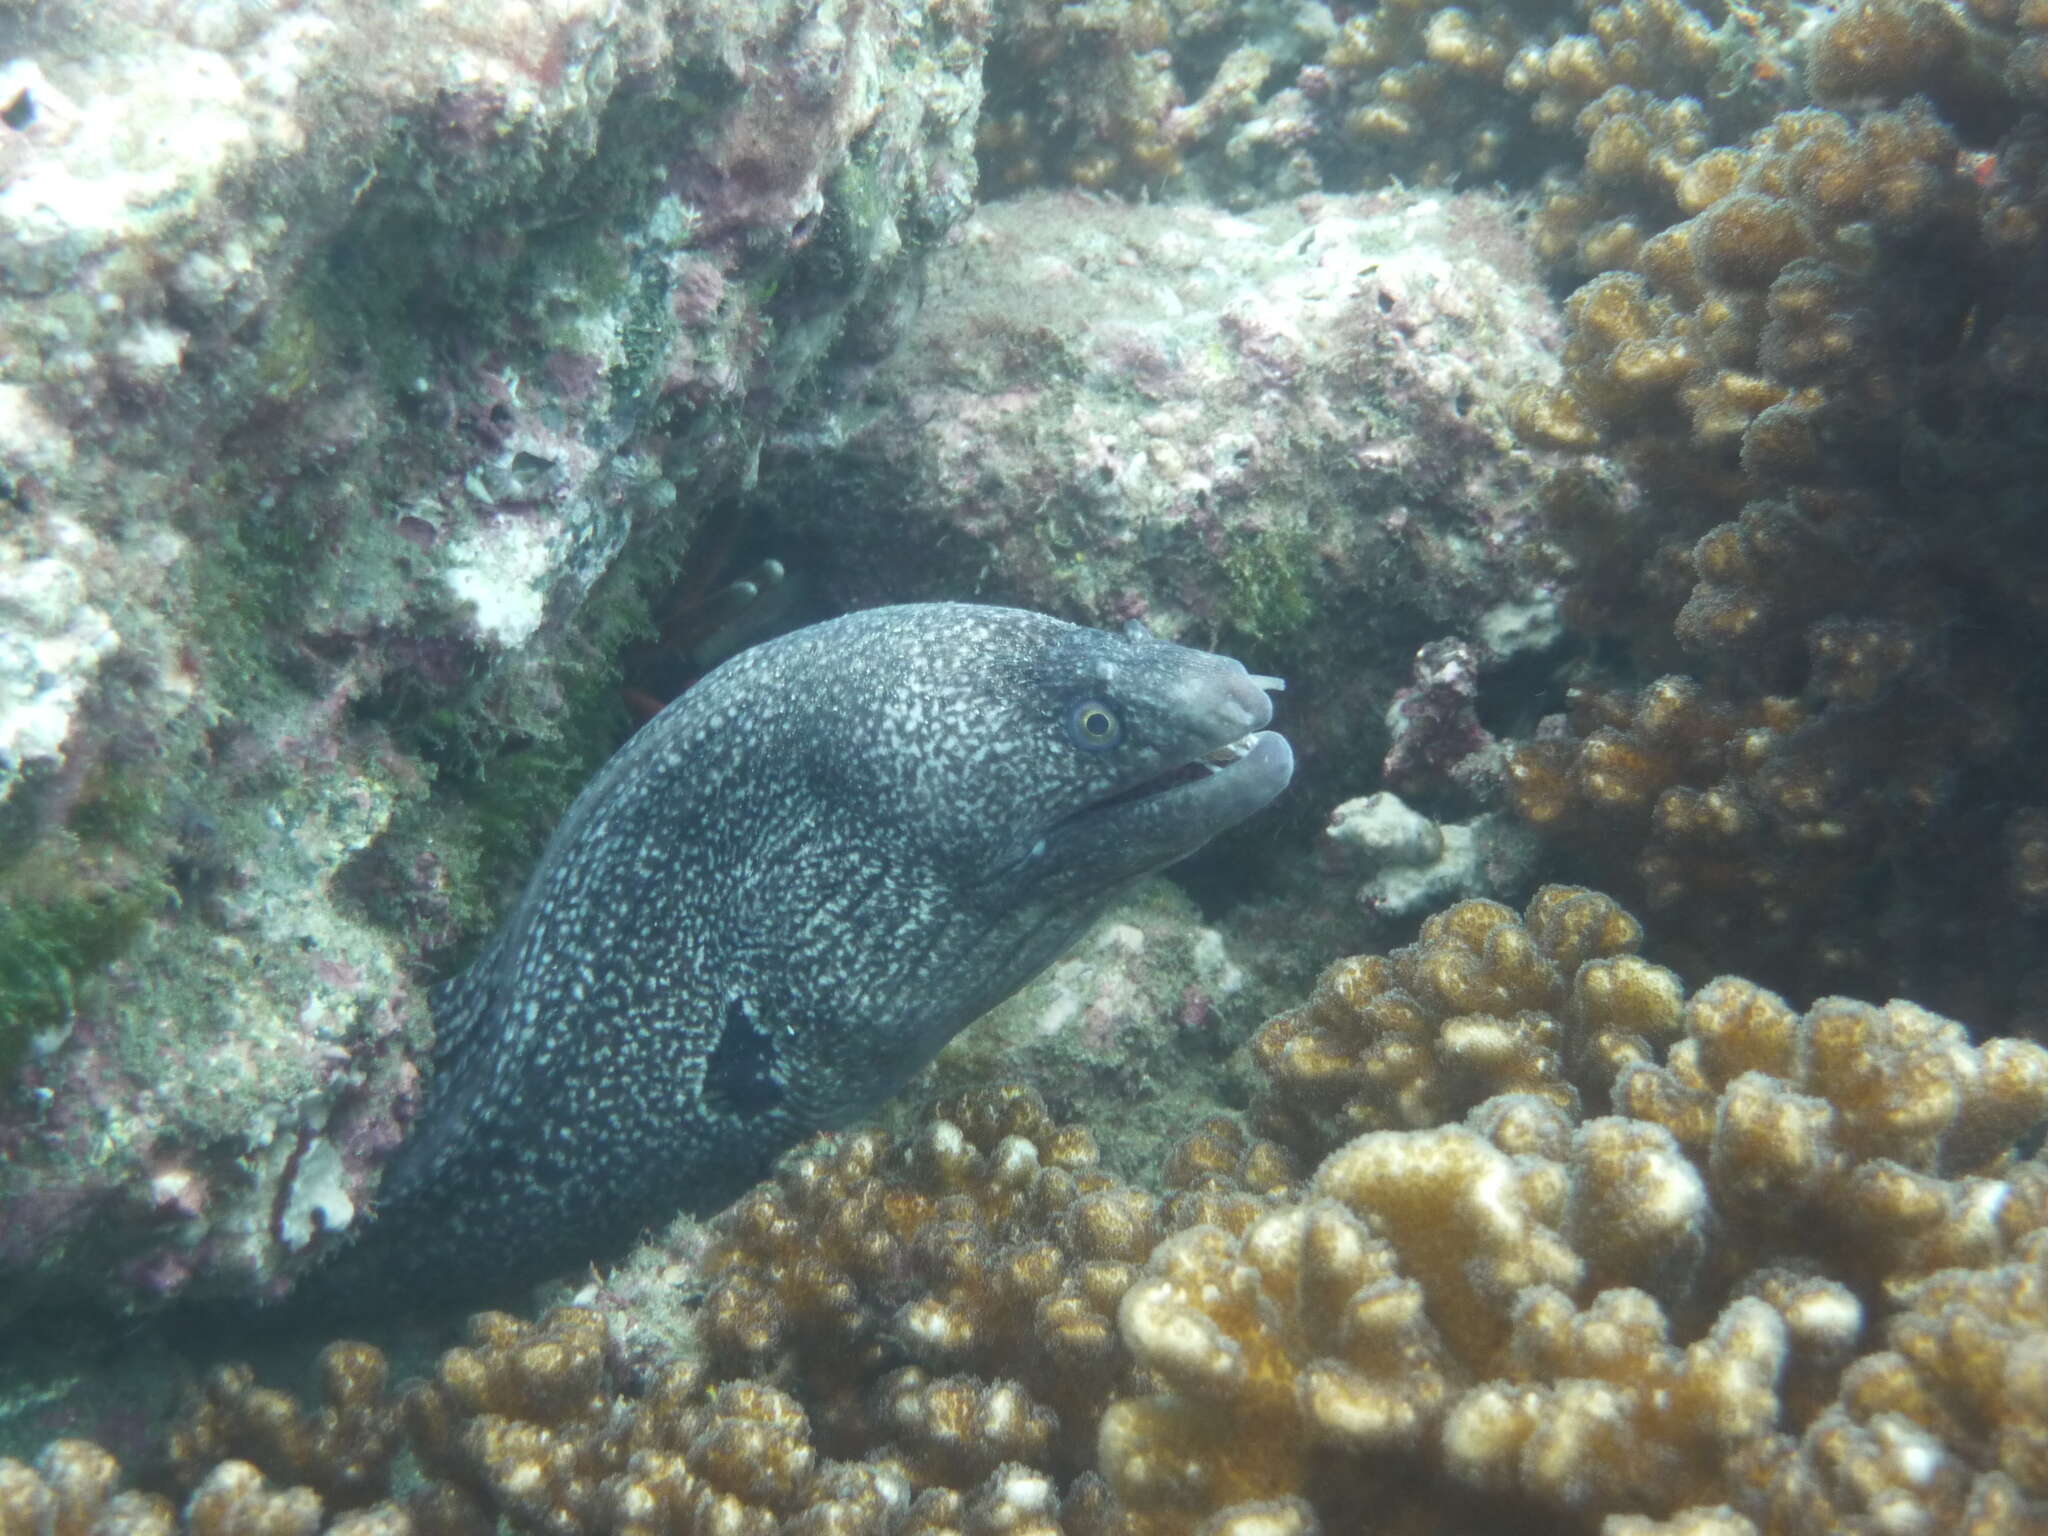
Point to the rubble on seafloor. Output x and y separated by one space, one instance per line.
1406 863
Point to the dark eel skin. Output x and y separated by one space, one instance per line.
776 903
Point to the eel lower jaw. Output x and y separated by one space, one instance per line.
1194 772
1176 811
1234 780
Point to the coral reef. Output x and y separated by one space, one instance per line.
342 1451
1146 97
348 427
72 1488
525 1424
344 426
1482 1003
522 1424
529 1424
1809 350
407 651
449 353
1943 1426
1103 123
1708 1264
1496 92
1286 430
1850 1137
1808 340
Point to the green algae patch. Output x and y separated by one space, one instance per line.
78 887
49 950
1267 596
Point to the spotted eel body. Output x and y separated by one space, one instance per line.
780 899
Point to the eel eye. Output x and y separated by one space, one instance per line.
1094 726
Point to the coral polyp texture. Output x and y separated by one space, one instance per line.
1722 1267
348 424
1237 102
1791 1275
1482 1003
342 1451
1814 354
528 1426
987 1246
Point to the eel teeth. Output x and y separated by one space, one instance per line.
1229 752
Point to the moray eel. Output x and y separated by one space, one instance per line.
779 900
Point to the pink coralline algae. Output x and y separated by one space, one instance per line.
1434 722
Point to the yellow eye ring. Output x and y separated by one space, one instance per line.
1094 726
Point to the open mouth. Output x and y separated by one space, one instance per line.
1204 767
1219 759
1166 816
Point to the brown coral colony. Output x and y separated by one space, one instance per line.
1798 352
1579 1245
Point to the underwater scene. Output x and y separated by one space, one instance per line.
1023 767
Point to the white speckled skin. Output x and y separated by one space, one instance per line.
778 901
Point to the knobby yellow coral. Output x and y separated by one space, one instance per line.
1657 1312
1480 1004
1582 1247
989 1248
1812 341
